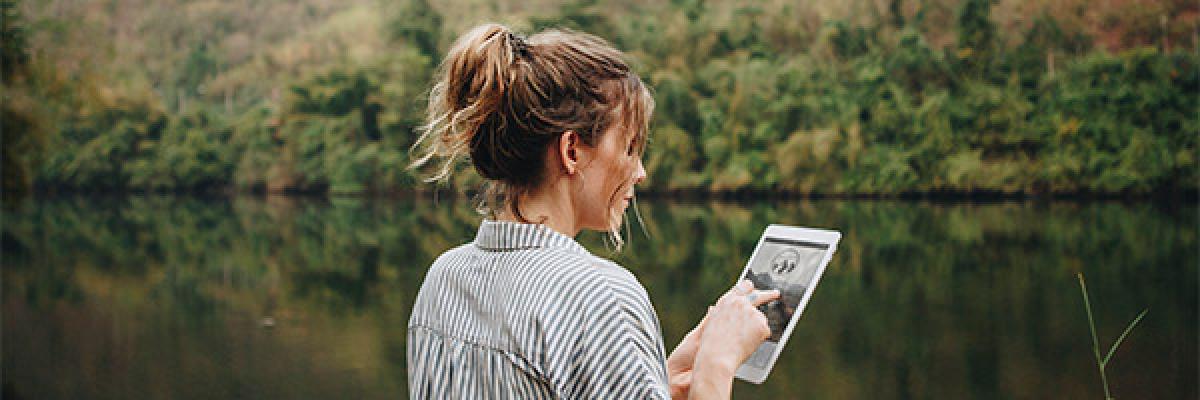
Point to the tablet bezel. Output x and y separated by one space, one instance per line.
755 375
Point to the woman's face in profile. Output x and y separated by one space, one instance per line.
607 181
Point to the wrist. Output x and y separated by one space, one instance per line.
713 375
720 363
717 357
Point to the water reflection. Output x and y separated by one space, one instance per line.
181 297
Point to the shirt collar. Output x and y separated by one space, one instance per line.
503 235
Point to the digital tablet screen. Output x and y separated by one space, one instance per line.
787 265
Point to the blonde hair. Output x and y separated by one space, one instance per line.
501 99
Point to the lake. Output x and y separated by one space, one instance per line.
285 297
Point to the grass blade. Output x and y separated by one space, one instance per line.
1123 334
1091 321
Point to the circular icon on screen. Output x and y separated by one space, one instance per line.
785 262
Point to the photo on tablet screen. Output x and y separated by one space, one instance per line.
786 265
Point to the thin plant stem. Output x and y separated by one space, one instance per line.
1087 304
1123 334
1102 363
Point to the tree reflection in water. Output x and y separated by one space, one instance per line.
164 296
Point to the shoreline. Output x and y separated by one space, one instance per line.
948 196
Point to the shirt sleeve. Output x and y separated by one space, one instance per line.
614 349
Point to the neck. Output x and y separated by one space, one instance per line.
549 205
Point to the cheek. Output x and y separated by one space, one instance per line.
619 176
596 189
604 188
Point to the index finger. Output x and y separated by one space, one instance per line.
765 296
743 287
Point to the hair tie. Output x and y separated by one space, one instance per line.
519 45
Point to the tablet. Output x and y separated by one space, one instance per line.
789 259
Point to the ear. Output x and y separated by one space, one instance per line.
568 151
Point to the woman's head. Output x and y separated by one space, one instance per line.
531 111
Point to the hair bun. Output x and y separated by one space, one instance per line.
501 99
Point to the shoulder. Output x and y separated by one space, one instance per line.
441 276
450 258
455 252
584 291
624 284
577 270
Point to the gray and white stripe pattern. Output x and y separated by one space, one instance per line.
525 312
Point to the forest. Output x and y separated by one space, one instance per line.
853 98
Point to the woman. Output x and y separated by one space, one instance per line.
555 124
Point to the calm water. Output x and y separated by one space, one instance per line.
282 298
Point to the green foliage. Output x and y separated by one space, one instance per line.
579 15
340 132
21 123
977 34
14 52
23 141
895 115
190 152
99 148
420 25
764 97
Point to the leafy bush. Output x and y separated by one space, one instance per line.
770 97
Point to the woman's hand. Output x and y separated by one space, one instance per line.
731 332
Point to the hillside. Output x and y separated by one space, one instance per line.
859 97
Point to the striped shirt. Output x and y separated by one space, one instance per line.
526 312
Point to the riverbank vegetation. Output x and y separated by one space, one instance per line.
853 98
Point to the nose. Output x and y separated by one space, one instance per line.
640 175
